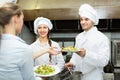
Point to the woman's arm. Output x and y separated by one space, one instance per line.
50 50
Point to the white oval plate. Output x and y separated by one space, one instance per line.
57 70
73 51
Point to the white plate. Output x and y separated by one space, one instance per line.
57 70
69 51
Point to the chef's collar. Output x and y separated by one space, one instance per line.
93 29
39 43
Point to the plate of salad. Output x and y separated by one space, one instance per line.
46 70
69 49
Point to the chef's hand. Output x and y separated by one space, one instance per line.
69 65
53 51
82 52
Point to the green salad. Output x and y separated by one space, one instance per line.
45 70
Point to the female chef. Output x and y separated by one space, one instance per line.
42 27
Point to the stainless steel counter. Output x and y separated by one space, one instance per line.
108 76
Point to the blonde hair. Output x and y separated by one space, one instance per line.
7 11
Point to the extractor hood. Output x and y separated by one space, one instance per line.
4 1
67 9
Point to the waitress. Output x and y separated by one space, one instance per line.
93 46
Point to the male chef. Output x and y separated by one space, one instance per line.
93 46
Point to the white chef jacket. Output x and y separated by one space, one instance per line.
96 57
44 59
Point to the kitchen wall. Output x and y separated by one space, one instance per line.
30 37
26 35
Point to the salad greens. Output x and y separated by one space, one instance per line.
45 70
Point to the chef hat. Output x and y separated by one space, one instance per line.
42 20
88 11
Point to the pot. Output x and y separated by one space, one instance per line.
70 75
66 75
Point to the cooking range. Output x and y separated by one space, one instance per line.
115 58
